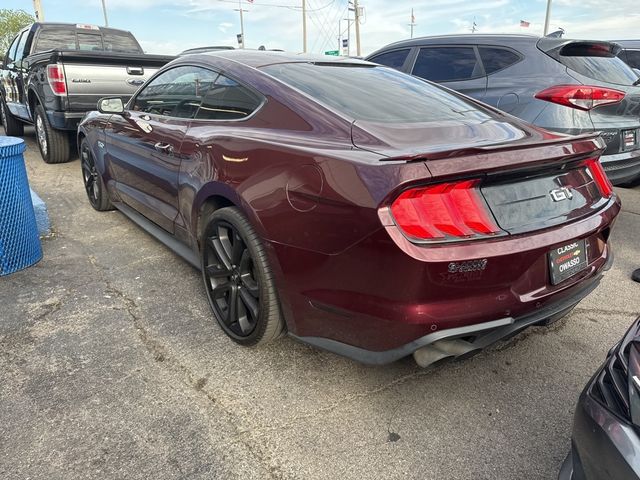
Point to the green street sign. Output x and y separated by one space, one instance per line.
335 53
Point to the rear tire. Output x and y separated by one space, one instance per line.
53 144
93 183
12 126
238 280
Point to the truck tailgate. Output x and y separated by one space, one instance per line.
93 75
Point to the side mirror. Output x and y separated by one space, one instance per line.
111 105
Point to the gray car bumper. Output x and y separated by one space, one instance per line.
622 167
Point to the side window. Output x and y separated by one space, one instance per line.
495 59
445 64
178 92
11 54
91 42
227 100
393 59
633 58
21 44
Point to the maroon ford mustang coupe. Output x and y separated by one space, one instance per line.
356 208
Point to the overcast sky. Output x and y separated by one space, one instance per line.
164 26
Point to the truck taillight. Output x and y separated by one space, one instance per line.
55 76
446 211
600 177
582 97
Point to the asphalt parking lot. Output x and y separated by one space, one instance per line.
111 366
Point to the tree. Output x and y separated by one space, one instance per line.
11 22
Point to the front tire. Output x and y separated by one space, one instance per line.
12 126
238 280
93 183
53 144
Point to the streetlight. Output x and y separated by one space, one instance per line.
547 18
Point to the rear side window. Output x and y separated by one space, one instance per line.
495 59
445 64
227 100
393 59
55 38
389 97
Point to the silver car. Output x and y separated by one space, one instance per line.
568 86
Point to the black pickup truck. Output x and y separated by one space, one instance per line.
53 73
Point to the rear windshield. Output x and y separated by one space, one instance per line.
375 94
595 60
80 39
604 69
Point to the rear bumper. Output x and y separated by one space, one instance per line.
65 120
482 334
622 167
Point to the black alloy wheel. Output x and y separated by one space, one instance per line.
93 184
237 279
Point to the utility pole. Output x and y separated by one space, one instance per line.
413 22
104 11
37 7
547 18
304 26
357 20
239 9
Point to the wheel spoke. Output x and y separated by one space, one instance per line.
232 309
217 271
250 302
245 324
220 252
219 291
237 249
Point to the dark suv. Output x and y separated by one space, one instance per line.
630 52
569 86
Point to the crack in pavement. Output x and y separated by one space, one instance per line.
161 355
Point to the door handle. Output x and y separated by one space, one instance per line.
163 147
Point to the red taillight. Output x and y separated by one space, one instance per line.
600 177
582 97
446 211
55 75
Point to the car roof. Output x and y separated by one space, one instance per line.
471 38
628 43
262 58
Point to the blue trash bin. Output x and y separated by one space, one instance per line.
19 241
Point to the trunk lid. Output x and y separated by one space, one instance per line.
531 181
558 194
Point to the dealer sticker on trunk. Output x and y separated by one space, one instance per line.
567 260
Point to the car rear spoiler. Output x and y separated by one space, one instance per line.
587 143
558 47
